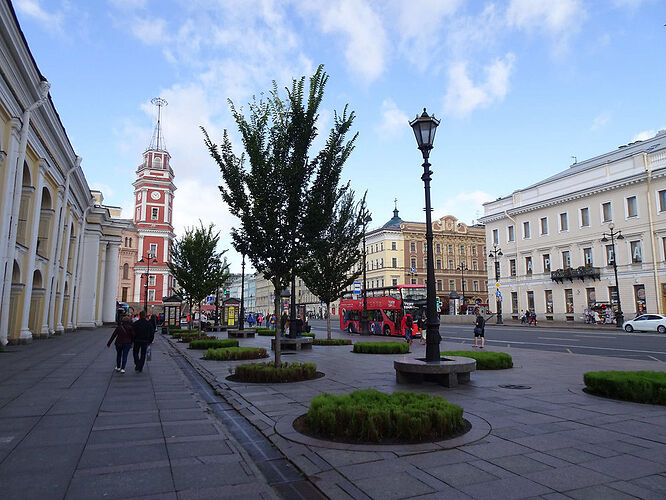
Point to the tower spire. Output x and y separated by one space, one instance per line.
157 141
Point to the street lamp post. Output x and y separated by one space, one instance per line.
494 254
619 316
462 268
242 304
293 331
146 261
363 324
424 128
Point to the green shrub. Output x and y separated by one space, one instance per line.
638 386
370 415
306 334
331 342
189 337
178 331
266 332
235 353
381 347
213 343
487 360
268 372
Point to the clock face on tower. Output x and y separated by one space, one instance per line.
155 195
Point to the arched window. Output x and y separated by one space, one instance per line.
130 242
125 271
125 240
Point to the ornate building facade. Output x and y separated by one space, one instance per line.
58 246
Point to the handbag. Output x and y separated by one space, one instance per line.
477 330
149 354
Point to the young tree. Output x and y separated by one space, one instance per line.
334 249
269 197
197 266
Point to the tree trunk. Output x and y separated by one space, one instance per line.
328 319
276 304
199 306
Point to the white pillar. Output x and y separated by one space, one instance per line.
74 294
110 283
51 285
137 287
32 251
6 203
100 286
63 275
88 284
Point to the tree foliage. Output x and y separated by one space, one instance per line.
196 264
269 195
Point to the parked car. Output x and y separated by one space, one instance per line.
646 323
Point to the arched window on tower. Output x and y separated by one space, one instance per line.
157 161
125 271
130 243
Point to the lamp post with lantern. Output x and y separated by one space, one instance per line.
424 128
462 268
619 316
147 260
363 324
494 254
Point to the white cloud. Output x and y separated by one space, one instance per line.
466 206
52 21
600 121
128 4
644 135
394 120
365 43
464 96
151 31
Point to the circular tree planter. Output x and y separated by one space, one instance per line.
635 386
486 360
267 373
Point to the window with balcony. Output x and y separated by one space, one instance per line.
566 259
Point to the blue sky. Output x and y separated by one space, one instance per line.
521 86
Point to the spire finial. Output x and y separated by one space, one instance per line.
157 142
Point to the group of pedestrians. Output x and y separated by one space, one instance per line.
258 319
138 336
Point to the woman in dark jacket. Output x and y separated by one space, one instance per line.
124 335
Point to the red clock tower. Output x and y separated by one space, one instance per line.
153 208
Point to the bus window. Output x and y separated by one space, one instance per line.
390 314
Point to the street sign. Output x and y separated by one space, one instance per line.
357 287
412 269
210 299
497 284
499 295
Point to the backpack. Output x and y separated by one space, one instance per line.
409 322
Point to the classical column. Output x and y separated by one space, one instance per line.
63 275
110 282
51 286
6 203
87 288
25 333
101 275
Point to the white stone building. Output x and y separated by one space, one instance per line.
58 247
554 260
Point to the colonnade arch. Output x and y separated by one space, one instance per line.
45 219
24 206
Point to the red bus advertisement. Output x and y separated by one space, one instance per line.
386 308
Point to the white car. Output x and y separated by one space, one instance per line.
647 323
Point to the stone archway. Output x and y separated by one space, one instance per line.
36 303
14 323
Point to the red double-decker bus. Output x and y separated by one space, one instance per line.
386 308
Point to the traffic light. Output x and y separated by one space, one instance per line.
226 293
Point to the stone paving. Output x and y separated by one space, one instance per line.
70 427
551 440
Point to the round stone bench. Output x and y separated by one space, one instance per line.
449 372
296 344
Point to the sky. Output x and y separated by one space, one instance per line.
522 88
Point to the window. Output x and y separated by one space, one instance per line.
475 265
544 225
439 285
154 213
153 250
130 243
568 300
462 249
564 221
151 280
394 281
438 248
450 264
452 285
425 247
381 246
394 262
497 269
636 252
413 262
662 200
530 300
514 302
610 255
587 256
632 207
450 248
151 295
585 217
591 295
495 238
606 212
474 251
439 263
394 245
566 259
425 263
639 298
526 230
413 246
528 265
125 240
546 263
663 245
413 281
124 294
549 301
476 286
510 233
512 266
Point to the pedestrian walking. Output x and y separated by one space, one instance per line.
407 325
260 320
479 330
124 336
250 320
144 334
